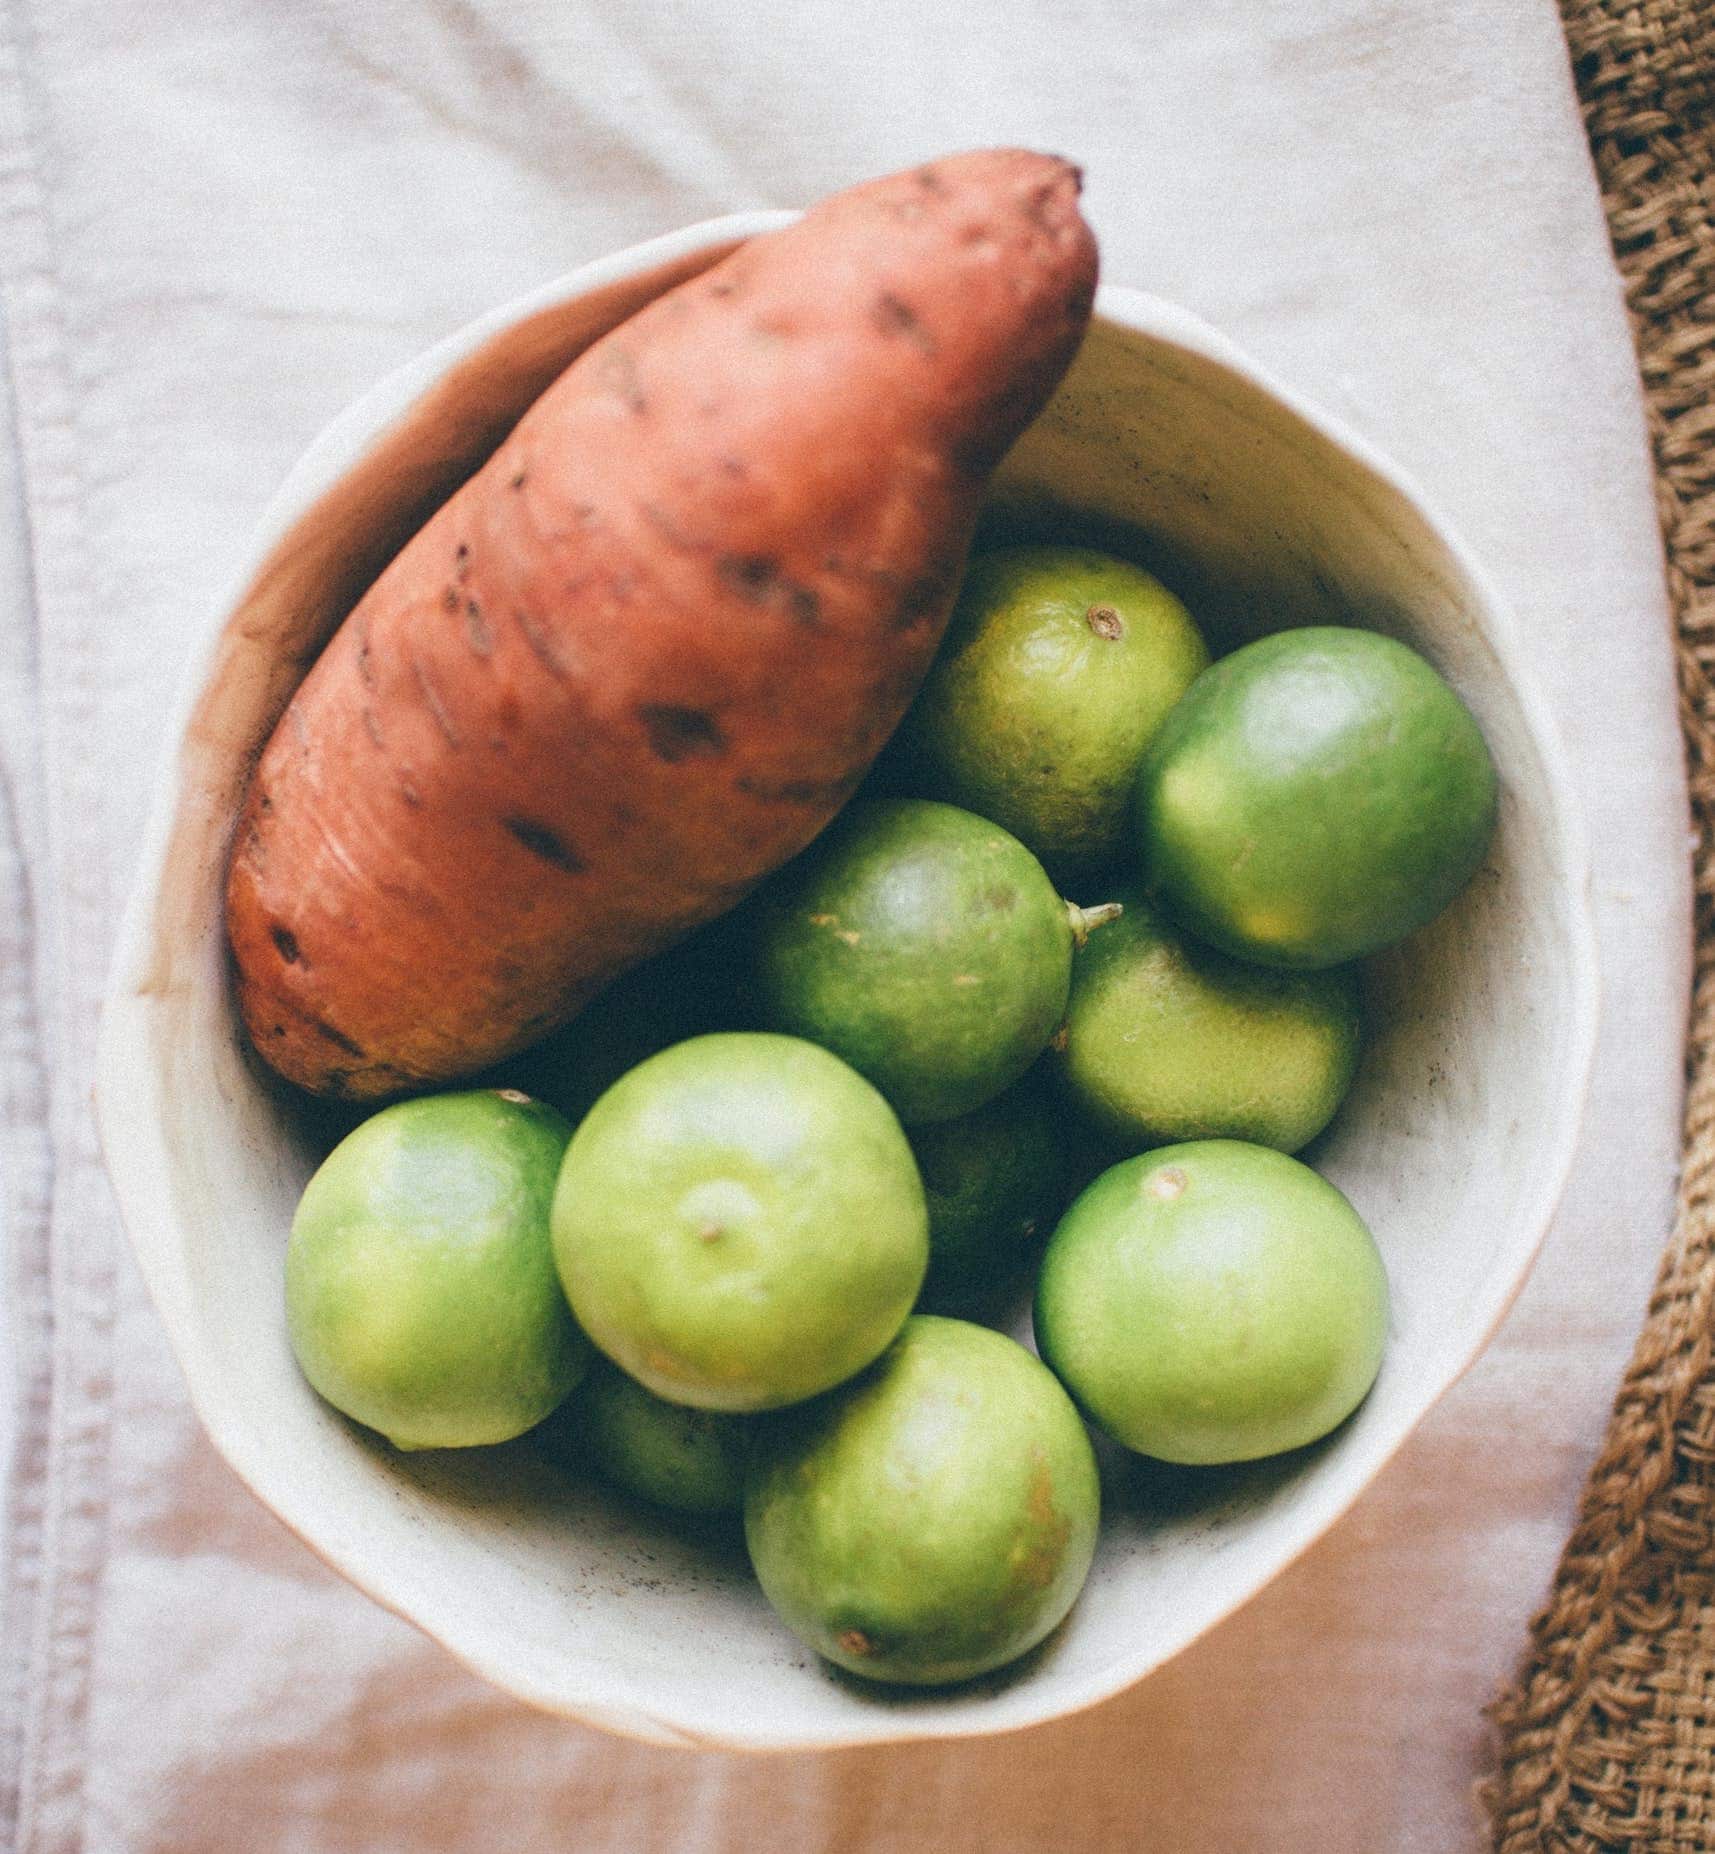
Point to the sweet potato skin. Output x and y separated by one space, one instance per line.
645 654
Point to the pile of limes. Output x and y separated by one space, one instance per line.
856 1106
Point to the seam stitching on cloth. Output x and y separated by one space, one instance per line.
63 1442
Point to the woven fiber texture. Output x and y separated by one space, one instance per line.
1607 1740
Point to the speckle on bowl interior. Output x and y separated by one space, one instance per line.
1453 1145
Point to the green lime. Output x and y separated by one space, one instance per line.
1059 665
931 1520
739 1222
995 1180
689 1460
421 1297
1213 1302
1167 1040
923 944
1317 795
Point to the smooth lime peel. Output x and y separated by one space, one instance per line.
1213 1302
932 1520
1166 1040
1315 797
421 1296
927 947
739 1222
1060 663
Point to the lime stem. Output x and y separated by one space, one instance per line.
1086 920
1105 622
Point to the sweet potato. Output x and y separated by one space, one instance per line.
645 654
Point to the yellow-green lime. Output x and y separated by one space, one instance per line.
934 1518
421 1297
1213 1302
739 1222
1168 1040
1059 665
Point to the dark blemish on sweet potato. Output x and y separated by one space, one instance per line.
461 554
896 318
732 466
619 373
541 644
751 576
722 286
264 804
476 629
800 791
677 733
929 179
436 707
520 479
286 943
671 530
450 599
409 793
365 664
757 578
544 841
1036 202
337 1037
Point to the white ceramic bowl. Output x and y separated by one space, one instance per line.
1453 1145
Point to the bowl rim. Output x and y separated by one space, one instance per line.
139 1164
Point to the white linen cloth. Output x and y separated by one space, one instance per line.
220 220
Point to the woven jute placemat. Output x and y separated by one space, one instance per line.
1607 1738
